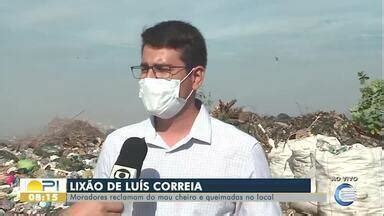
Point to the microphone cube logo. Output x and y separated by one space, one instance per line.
122 172
43 190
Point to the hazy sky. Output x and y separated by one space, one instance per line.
60 57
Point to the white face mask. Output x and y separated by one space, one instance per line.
161 97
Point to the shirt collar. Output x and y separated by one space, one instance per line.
201 128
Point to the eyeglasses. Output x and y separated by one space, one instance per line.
160 71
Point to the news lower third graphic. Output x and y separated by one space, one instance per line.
168 190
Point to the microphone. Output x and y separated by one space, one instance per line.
130 160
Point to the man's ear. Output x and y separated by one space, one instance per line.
198 77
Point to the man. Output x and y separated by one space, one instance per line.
183 140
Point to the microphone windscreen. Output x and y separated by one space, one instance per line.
130 159
132 153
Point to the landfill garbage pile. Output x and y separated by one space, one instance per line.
66 132
319 146
65 149
283 127
70 148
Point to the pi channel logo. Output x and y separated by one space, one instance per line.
43 185
38 185
345 194
43 190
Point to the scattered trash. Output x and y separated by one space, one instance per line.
297 147
6 204
6 156
26 165
359 166
284 127
10 179
66 149
320 146
11 170
47 150
44 204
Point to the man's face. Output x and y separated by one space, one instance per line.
166 56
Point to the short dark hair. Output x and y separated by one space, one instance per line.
178 35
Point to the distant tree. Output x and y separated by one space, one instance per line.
206 98
362 77
369 112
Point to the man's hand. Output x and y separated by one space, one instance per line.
94 209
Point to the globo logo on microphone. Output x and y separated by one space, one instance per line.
130 160
122 172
